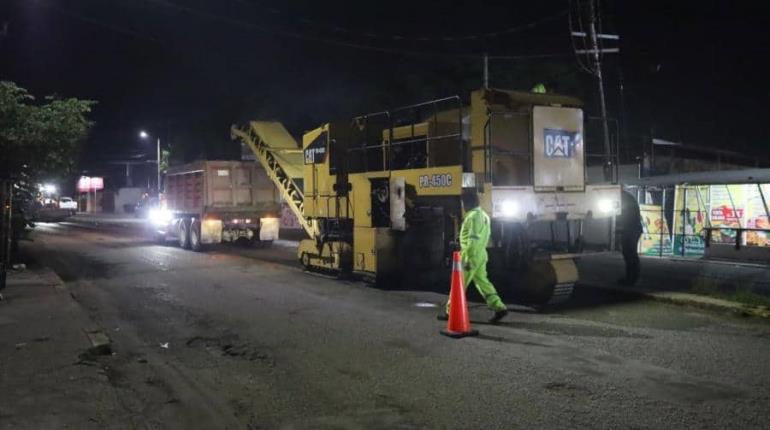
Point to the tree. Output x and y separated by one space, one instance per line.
37 140
40 139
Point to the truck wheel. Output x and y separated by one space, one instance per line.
195 236
184 234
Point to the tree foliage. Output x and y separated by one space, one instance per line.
40 139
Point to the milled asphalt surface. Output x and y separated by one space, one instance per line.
255 342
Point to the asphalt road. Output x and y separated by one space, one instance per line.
237 338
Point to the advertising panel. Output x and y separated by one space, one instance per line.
756 214
690 218
727 209
656 239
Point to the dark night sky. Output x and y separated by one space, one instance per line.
694 71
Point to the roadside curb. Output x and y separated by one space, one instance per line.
44 274
688 299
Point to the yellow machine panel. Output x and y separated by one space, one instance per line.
362 206
364 249
434 181
558 149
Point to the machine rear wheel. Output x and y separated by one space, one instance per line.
305 260
184 234
539 283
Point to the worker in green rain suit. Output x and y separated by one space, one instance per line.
539 89
474 236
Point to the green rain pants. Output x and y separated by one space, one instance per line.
477 273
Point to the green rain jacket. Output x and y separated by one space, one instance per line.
474 237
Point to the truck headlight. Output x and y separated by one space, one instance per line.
607 206
159 216
509 208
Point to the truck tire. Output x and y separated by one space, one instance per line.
195 236
184 233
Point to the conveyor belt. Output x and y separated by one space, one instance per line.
281 157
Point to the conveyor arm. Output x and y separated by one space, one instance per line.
281 158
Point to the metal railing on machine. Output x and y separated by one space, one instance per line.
368 131
492 151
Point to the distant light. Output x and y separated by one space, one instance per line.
509 208
143 134
48 188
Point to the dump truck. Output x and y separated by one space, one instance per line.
380 195
209 202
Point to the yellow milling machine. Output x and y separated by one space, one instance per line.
379 196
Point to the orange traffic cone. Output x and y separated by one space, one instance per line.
459 322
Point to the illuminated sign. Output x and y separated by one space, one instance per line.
87 183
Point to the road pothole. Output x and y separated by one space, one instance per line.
230 346
566 388
101 345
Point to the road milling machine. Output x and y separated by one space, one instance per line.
379 196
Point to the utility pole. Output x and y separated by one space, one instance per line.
593 53
598 71
144 135
159 167
486 70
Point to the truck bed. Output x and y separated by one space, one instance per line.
208 186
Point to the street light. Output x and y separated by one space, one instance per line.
144 135
48 188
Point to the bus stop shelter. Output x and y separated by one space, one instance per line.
720 214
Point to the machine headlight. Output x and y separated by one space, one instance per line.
607 206
159 216
509 208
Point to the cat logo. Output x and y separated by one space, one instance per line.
315 152
560 143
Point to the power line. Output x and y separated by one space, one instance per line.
304 37
88 20
316 23
345 44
